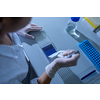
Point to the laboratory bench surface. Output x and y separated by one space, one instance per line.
55 28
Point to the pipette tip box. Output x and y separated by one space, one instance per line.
91 53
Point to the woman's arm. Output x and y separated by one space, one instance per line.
44 79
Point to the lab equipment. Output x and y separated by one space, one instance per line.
72 26
59 54
48 50
91 53
93 23
90 75
68 56
55 55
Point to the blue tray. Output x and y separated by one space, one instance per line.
91 53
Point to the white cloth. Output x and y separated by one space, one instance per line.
13 65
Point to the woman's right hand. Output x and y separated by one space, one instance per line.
62 62
67 62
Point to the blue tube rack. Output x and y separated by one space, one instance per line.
91 53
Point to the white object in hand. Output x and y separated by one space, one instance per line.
68 56
55 55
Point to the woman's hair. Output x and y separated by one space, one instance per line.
13 18
16 18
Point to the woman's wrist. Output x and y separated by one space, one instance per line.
51 69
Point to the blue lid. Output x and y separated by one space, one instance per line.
75 19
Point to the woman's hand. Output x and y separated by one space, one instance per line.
67 62
62 62
32 27
28 28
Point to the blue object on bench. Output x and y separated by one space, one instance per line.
91 53
49 50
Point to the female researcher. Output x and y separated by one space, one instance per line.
13 64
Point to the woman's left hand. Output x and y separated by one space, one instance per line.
28 28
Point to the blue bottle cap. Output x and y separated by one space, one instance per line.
75 19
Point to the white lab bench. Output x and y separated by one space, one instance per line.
55 27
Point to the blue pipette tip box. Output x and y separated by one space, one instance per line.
91 53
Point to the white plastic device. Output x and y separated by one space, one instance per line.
59 54
55 55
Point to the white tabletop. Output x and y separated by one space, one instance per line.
55 27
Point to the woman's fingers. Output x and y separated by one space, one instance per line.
72 61
34 29
25 35
31 24
67 52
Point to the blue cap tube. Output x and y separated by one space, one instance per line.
75 19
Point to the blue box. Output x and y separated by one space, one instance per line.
91 53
